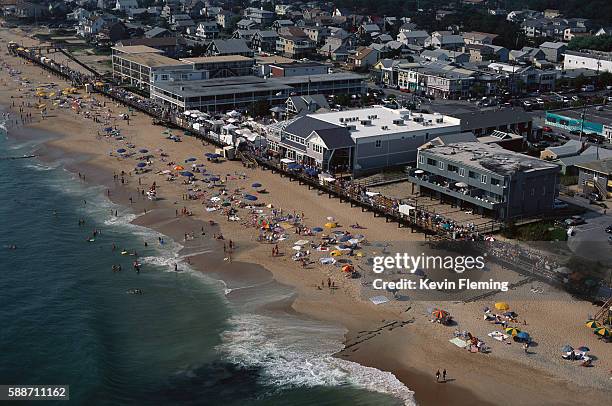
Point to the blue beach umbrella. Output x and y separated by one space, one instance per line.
584 349
345 238
187 173
209 155
143 151
214 178
256 185
317 229
190 159
567 348
121 150
250 197
523 335
141 164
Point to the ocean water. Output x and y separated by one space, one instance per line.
67 318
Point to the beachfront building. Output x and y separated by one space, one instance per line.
223 66
487 178
240 92
362 140
222 94
141 66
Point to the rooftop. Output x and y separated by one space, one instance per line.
217 59
492 118
136 49
489 157
601 166
378 120
153 60
211 87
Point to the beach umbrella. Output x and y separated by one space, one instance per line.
317 229
335 253
178 168
250 197
592 324
347 268
523 335
187 173
584 349
256 185
602 332
143 151
439 314
345 238
141 164
512 331
121 150
502 306
331 225
567 348
190 159
214 178
510 314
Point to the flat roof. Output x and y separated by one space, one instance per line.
273 59
489 157
218 58
211 87
384 117
592 114
323 77
153 60
137 49
301 65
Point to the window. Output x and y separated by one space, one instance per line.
431 162
441 165
461 171
452 168
378 144
495 182
472 174
483 178
421 159
164 77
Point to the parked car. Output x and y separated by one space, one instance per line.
547 129
609 229
574 221
559 204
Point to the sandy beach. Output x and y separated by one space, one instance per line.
412 348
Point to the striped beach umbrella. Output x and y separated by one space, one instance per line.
439 314
602 332
592 324
512 331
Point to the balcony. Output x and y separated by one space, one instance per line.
448 187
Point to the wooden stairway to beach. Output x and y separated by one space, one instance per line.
602 313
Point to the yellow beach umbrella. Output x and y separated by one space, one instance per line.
331 225
602 331
502 306
335 253
512 331
592 324
99 84
360 254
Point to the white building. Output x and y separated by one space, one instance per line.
368 139
126 5
598 61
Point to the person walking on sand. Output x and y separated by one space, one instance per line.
438 376
444 375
